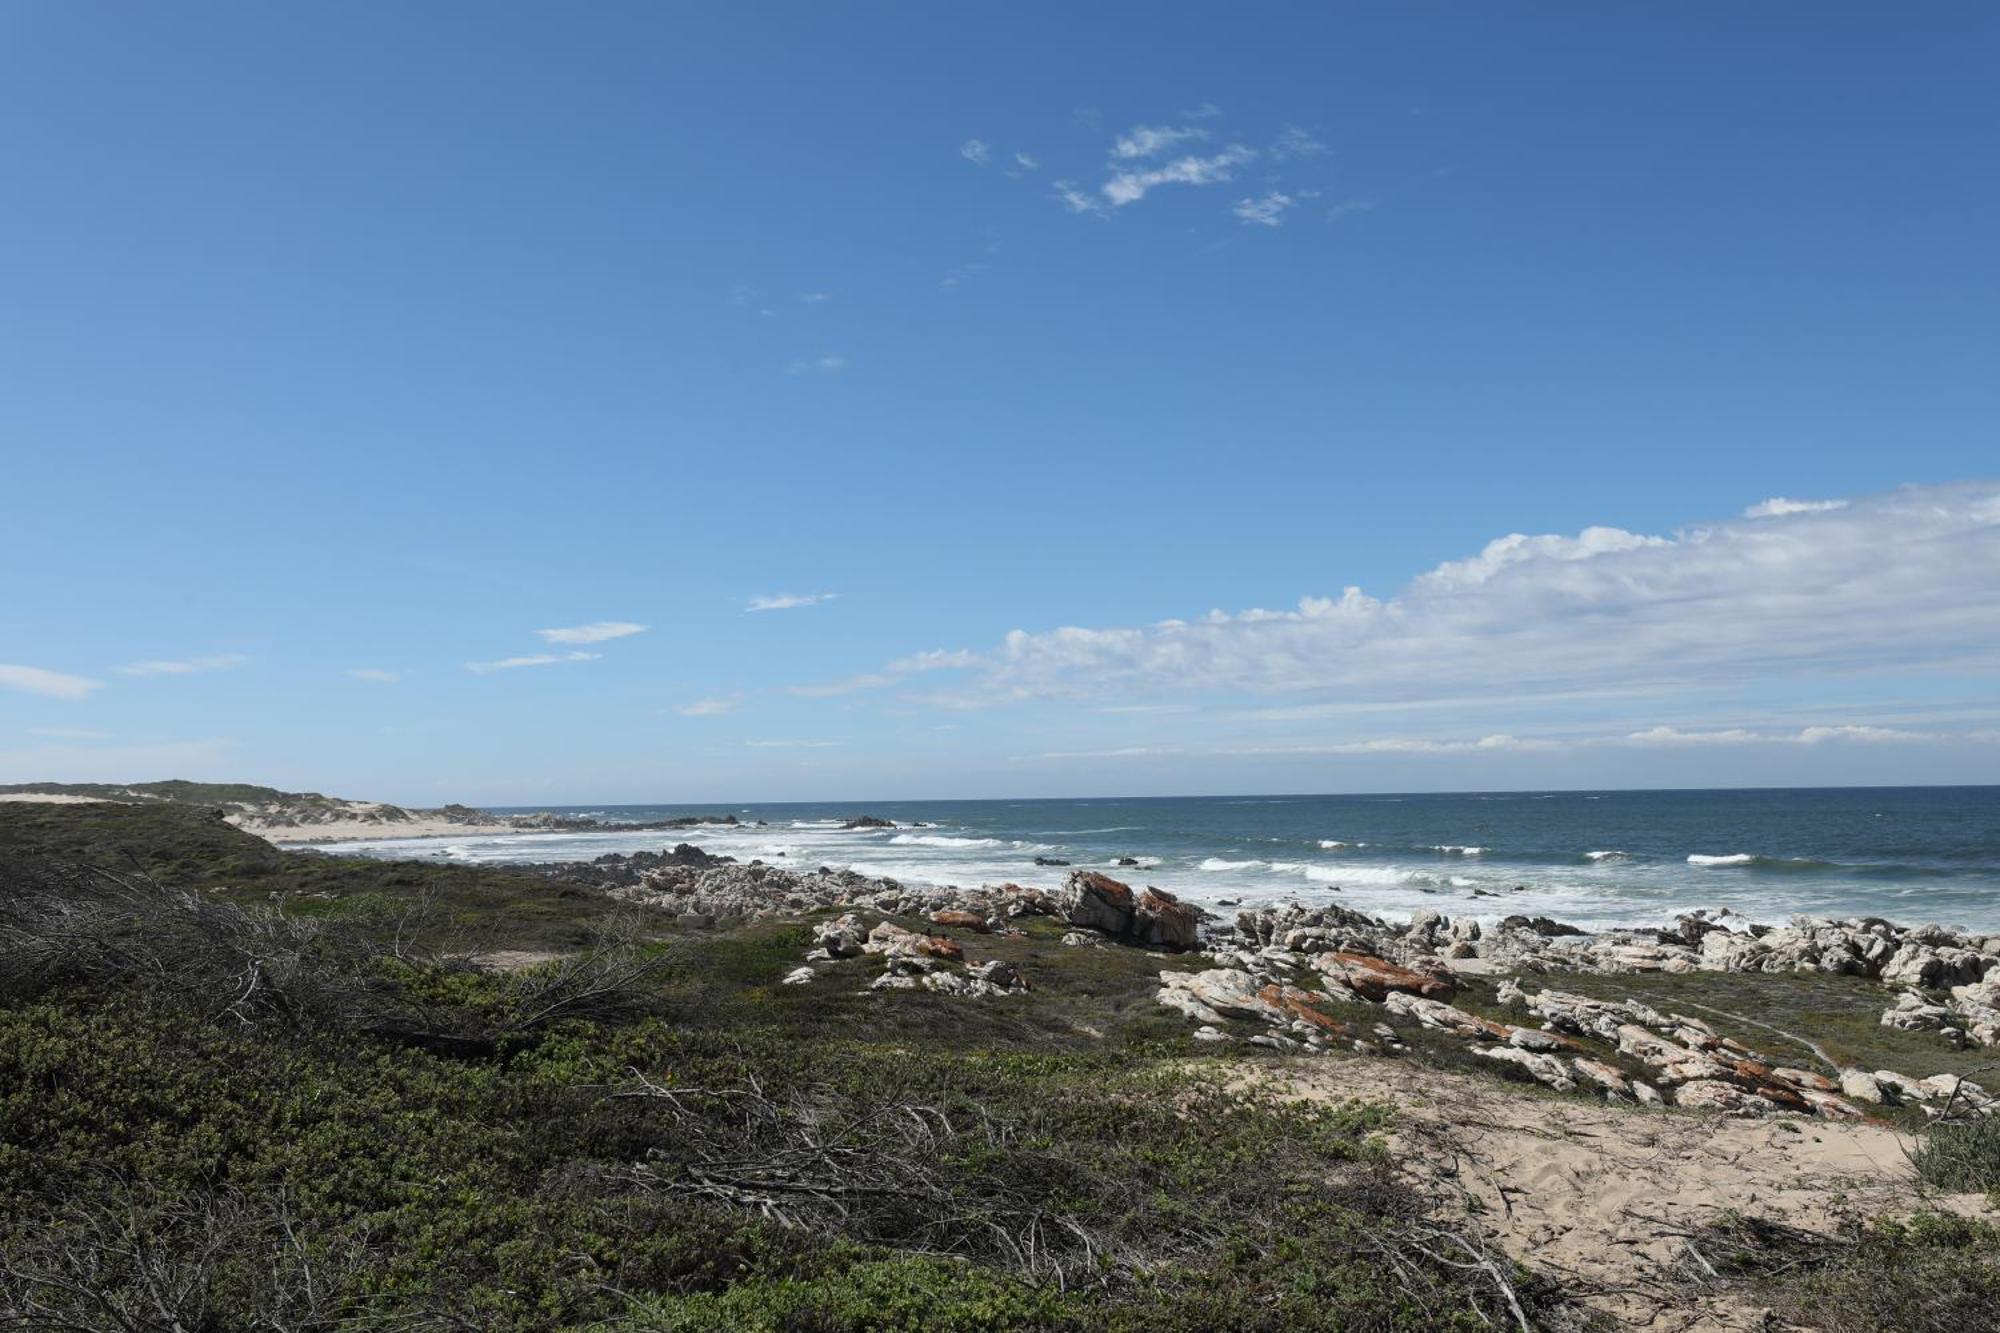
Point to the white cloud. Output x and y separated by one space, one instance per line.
1026 162
1295 142
1819 735
1899 584
815 298
711 707
52 684
788 601
1206 111
1129 187
532 660
596 632
1778 506
1265 210
376 674
976 152
818 365
184 667
1143 141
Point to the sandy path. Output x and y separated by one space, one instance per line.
1597 1195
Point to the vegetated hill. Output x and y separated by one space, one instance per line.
194 847
248 803
179 791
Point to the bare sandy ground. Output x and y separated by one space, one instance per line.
1606 1197
349 830
47 798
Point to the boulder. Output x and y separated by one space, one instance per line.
1097 902
1162 921
957 919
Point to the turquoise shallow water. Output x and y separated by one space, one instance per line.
1911 854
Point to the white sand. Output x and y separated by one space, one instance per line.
349 830
49 798
1605 1196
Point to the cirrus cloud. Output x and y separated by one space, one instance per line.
49 684
596 632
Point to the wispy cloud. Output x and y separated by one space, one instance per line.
815 298
1348 208
976 152
531 660
50 684
711 707
1294 142
1143 141
1778 506
183 667
788 601
1129 187
1027 162
1267 209
818 365
596 632
1821 735
376 674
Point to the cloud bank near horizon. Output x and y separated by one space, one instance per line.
1902 586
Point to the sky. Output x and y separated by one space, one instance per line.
543 403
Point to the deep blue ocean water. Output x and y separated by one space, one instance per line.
1911 854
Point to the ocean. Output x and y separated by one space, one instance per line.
1595 859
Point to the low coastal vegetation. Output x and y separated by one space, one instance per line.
243 1087
219 1110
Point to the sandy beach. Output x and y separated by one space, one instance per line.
349 829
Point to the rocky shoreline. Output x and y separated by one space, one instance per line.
1301 979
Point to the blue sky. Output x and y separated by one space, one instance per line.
381 338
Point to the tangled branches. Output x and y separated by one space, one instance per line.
879 1174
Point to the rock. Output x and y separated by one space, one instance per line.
1211 996
799 976
1714 1095
1050 861
1540 925
1076 939
957 919
1127 861
960 984
1375 978
1445 1017
843 938
1603 1075
1162 921
1097 902
1862 1086
1001 973
1529 1039
868 821
1647 1094
1207 1033
1911 1012
1545 1069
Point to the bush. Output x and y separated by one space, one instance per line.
1960 1155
